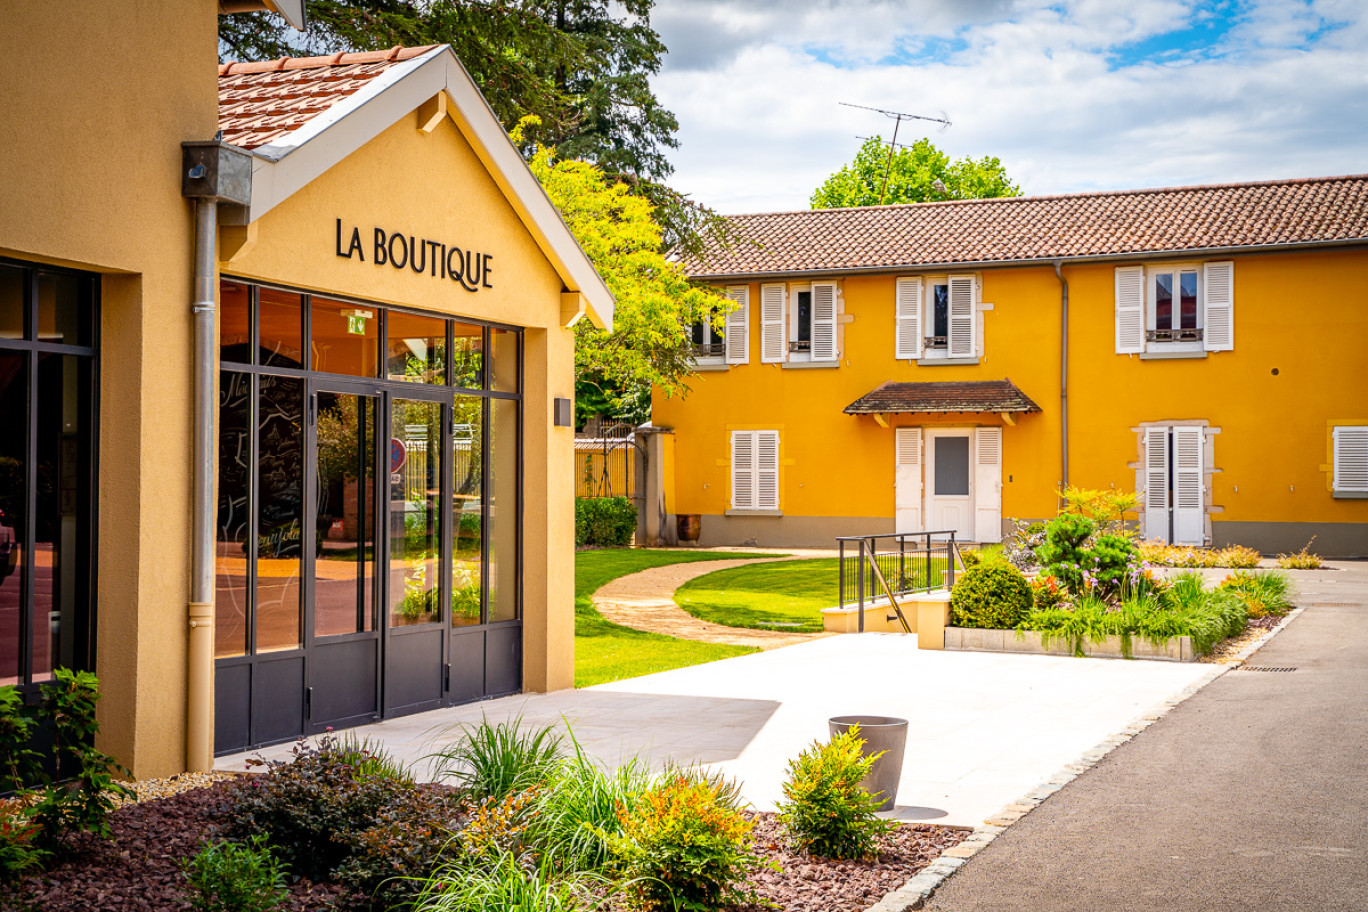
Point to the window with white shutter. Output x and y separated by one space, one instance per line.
737 341
1350 445
755 470
907 480
823 321
962 317
1175 473
907 333
1175 309
772 347
1156 491
988 484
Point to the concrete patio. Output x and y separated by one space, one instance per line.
986 728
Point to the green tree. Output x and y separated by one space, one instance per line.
650 344
911 175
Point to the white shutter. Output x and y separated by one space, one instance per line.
1156 484
743 470
1351 459
962 317
737 327
988 484
907 480
1189 487
823 321
767 470
773 345
1130 310
1218 306
908 334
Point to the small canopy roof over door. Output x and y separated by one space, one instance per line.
997 396
299 117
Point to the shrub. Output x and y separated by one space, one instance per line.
684 849
498 827
19 851
826 811
1046 591
1111 559
1107 509
494 760
313 808
402 846
511 885
20 766
1238 557
1064 551
1300 560
993 594
229 877
604 521
84 791
1262 593
578 812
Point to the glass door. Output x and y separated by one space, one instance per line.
343 644
418 547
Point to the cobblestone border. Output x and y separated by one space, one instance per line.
914 894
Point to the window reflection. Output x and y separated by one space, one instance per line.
280 326
417 348
234 473
235 322
504 360
12 303
345 338
280 512
467 356
504 510
14 398
344 570
1188 299
64 309
415 579
467 509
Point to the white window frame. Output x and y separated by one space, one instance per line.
1177 270
1136 309
1349 460
926 320
754 485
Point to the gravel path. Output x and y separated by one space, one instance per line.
645 601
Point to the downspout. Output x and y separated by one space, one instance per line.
212 172
1063 373
199 740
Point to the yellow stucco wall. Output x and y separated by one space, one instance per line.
91 167
1305 314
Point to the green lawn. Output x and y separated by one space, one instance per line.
605 651
781 596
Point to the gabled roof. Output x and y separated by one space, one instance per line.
301 116
944 396
1114 225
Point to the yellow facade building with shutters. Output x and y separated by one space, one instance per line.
948 366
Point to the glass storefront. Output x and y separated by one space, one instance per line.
369 512
48 322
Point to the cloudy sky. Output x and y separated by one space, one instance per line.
1072 95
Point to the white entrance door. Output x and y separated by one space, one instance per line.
950 482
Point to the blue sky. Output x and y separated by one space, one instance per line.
1072 96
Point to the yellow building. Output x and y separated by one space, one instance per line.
947 366
284 415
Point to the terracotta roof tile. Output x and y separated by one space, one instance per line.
945 396
264 101
1118 223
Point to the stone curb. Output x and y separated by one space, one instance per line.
914 894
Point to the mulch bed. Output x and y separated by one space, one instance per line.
138 870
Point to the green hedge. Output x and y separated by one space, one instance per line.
992 594
604 521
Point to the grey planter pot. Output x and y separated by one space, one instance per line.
880 733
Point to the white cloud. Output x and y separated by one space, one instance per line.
1068 100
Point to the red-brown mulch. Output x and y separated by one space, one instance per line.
138 870
810 884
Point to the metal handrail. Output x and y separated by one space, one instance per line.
918 562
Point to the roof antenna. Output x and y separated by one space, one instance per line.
898 118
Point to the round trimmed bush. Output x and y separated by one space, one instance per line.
993 594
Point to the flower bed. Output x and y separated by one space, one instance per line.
526 819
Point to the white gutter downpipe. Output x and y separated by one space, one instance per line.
212 172
199 737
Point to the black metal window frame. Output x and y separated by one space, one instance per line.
397 389
31 348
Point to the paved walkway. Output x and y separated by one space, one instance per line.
645 601
1251 795
986 728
